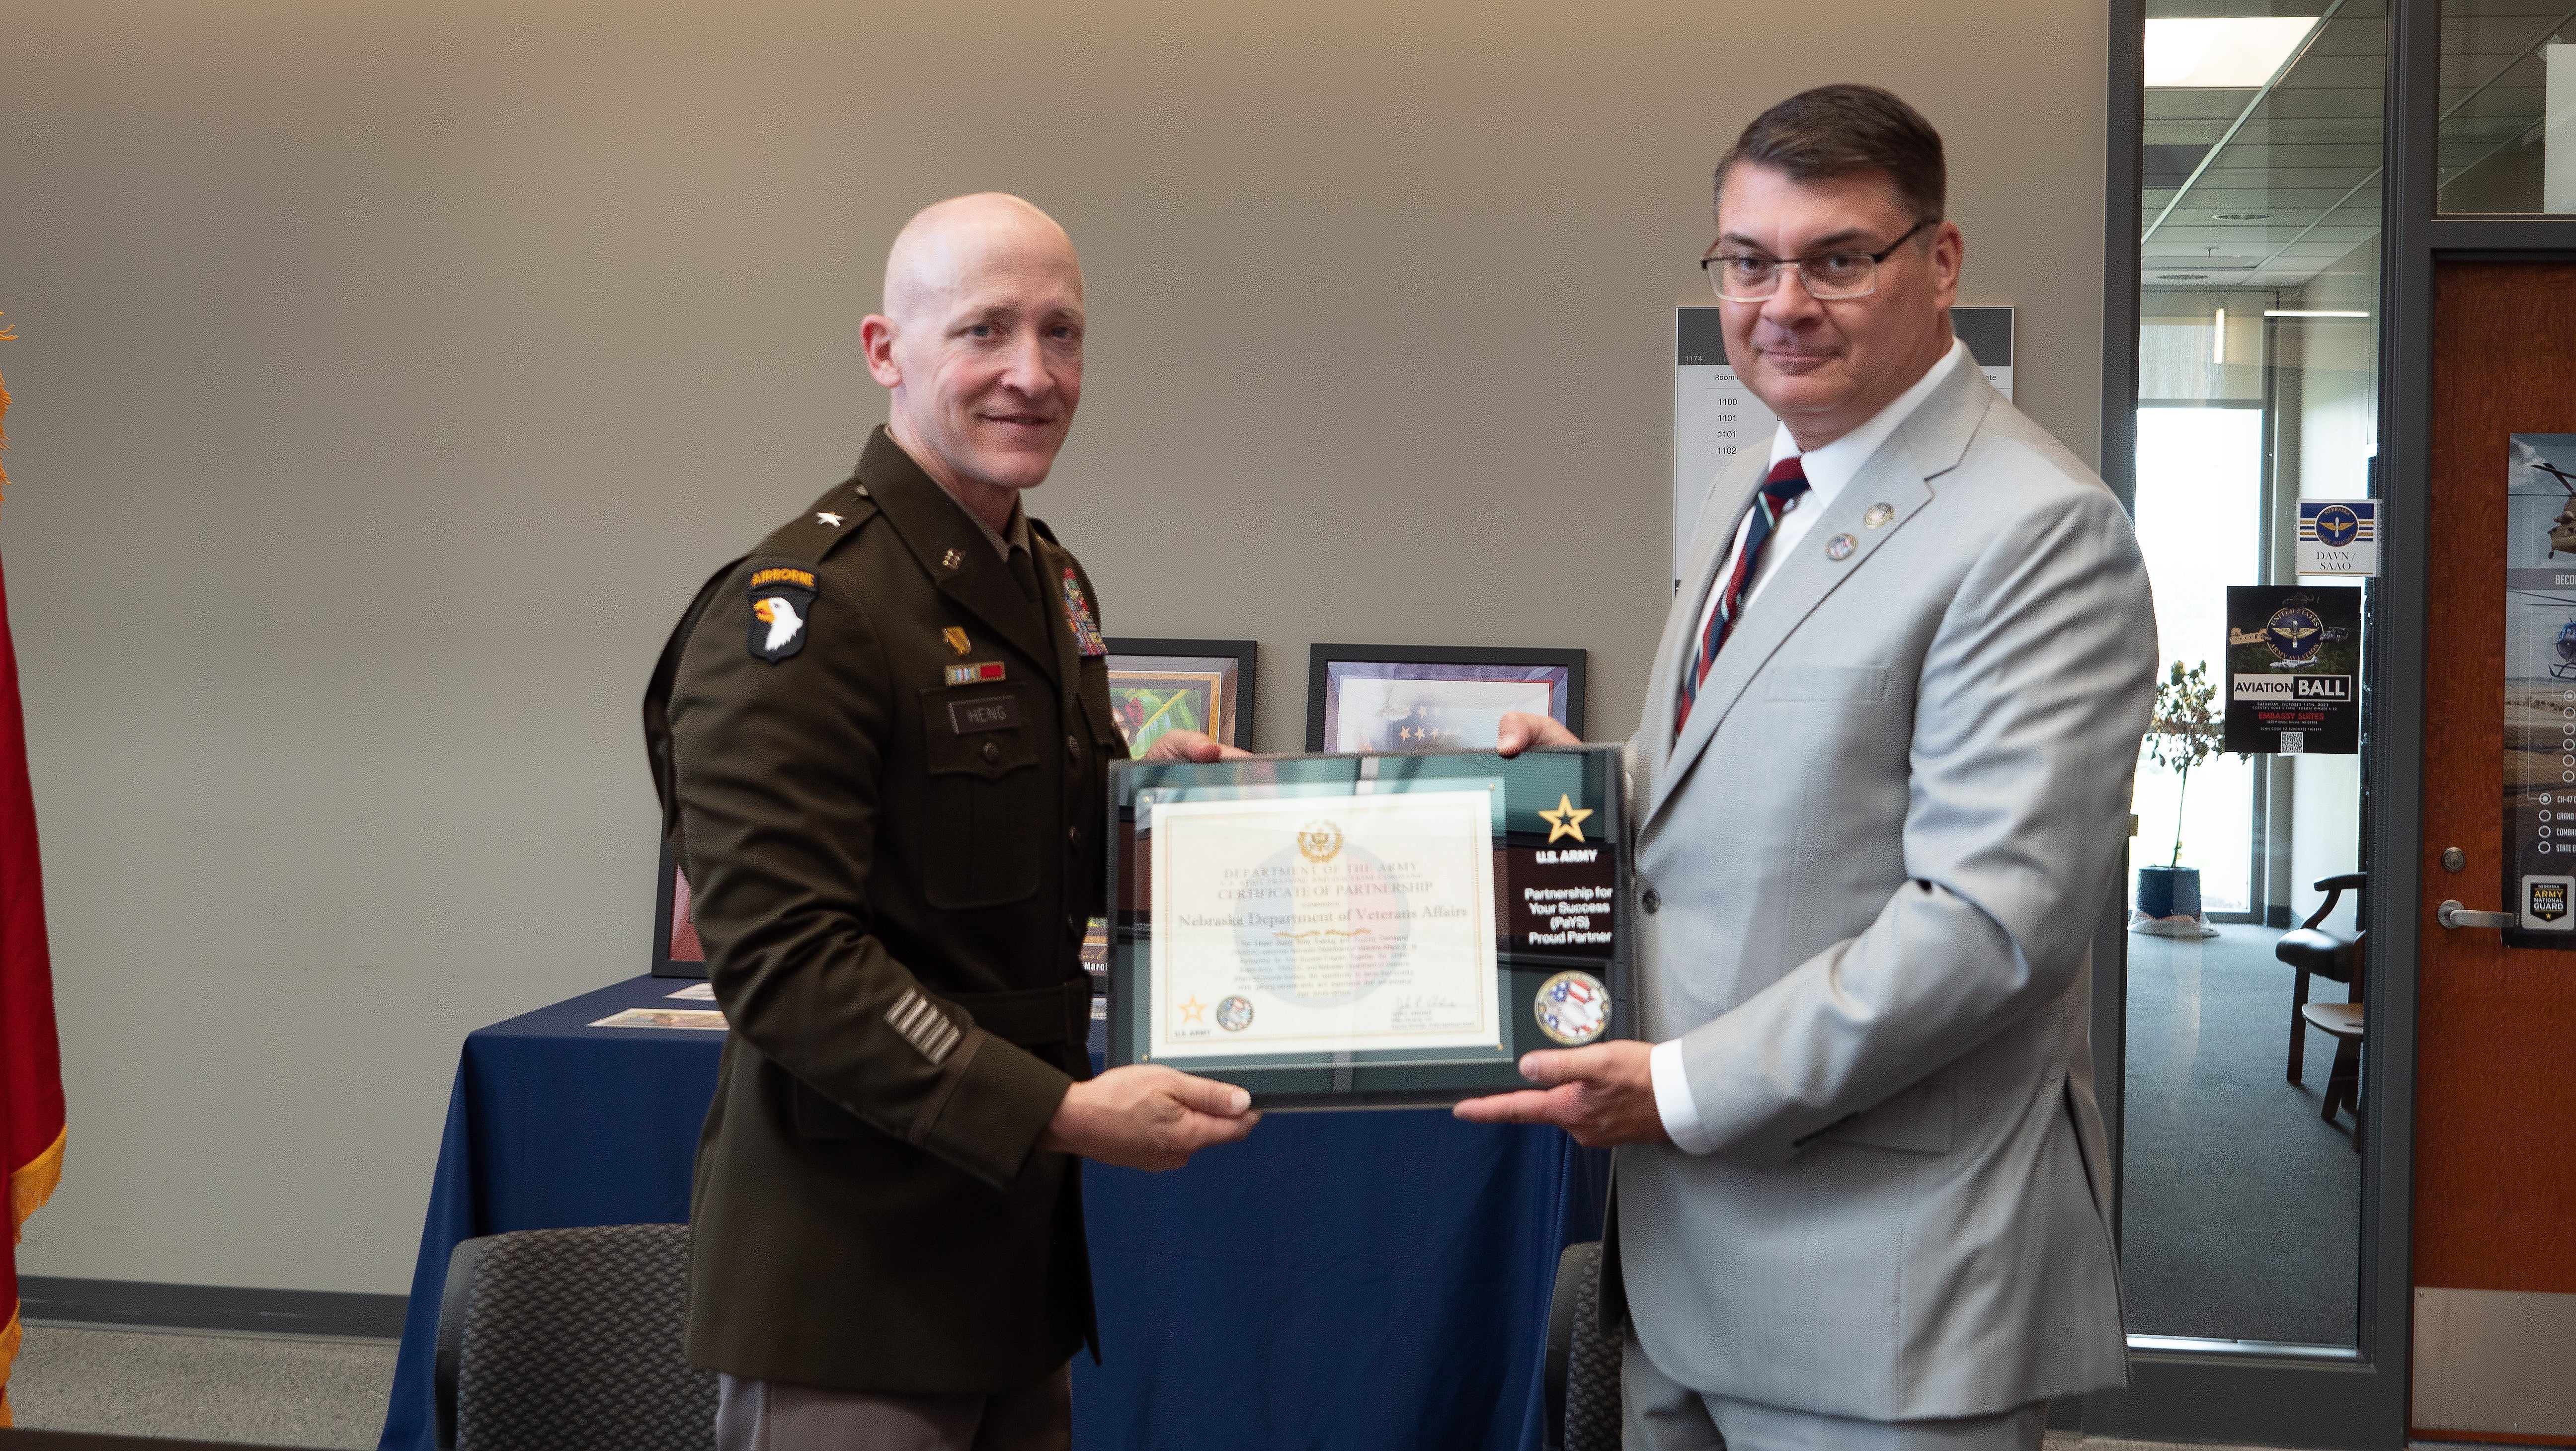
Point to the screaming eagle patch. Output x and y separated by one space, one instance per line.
782 603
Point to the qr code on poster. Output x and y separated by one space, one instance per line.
2294 743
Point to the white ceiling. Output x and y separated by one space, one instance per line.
2297 186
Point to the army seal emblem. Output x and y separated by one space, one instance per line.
1234 1014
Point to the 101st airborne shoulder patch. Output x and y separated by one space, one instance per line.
782 607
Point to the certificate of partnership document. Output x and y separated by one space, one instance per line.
1324 924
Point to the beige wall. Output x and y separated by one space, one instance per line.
391 373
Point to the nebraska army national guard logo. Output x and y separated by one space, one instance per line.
782 602
1572 1007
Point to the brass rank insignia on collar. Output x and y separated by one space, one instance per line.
1077 613
955 635
782 604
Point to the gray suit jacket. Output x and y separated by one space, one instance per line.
1879 852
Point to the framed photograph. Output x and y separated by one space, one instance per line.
1403 698
1192 685
676 950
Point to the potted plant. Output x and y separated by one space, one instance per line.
2183 734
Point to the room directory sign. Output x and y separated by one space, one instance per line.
1372 930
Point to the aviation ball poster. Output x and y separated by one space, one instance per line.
2294 669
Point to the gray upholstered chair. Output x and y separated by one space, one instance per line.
569 1340
1582 1360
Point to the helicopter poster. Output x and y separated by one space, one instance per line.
2294 669
2540 688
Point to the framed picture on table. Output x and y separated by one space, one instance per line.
1433 698
676 949
1158 685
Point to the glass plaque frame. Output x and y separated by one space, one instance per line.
1552 834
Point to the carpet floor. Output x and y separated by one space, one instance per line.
274 1391
280 1392
2242 1216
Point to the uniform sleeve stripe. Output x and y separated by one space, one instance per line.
947 1040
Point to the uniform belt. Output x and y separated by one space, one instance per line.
1033 1017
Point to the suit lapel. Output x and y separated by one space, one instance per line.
1899 476
955 554
1728 498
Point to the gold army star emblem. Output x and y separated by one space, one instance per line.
956 638
1192 1011
1566 820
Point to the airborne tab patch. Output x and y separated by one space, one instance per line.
782 604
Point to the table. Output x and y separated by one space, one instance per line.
1351 1280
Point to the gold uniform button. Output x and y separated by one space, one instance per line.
1073 748
992 753
1073 834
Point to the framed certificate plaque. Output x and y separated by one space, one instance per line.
1367 931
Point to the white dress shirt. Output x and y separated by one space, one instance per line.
1828 469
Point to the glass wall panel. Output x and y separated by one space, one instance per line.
2508 118
2257 355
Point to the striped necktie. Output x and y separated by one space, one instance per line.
1785 483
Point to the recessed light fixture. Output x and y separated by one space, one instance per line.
2182 277
2234 54
2242 216
2308 312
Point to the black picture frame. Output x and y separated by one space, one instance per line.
1566 690
668 910
1527 854
1245 655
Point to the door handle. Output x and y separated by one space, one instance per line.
2453 915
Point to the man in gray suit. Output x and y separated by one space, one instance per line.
1879 792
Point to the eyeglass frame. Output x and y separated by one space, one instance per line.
1799 265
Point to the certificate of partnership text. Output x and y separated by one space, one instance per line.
1324 924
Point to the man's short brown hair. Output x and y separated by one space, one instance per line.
1844 130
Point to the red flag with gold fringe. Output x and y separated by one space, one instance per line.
31 1070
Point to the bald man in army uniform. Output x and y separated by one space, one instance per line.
881 743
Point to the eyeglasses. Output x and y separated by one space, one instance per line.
1827 276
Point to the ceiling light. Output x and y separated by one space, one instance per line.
2182 277
2241 216
2212 54
2305 312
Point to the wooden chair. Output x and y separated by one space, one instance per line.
2315 952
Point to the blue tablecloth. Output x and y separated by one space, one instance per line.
1342 1280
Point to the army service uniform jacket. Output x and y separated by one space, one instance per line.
882 765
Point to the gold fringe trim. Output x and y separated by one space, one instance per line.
7 335
8 1357
33 1183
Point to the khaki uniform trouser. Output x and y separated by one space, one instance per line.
761 1415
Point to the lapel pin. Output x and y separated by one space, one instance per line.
951 559
828 517
956 638
1839 547
1878 516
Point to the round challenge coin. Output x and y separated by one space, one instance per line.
1572 1008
